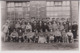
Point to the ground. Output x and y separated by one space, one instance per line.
38 46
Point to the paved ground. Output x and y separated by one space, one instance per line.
38 46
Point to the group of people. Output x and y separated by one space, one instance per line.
39 31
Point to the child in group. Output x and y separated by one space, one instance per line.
50 26
20 38
17 26
36 36
14 36
57 36
25 36
70 36
28 27
55 26
30 36
23 26
46 35
51 37
64 36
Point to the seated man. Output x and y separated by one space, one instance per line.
14 36
42 38
70 36
30 36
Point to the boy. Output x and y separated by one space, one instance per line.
36 37
25 36
64 37
23 26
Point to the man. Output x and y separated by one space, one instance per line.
51 36
45 27
25 36
28 27
36 36
61 27
20 37
57 36
64 37
30 36
70 36
74 30
50 26
34 26
23 26
39 26
5 30
17 26
14 36
55 26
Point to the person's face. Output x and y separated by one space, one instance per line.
28 23
44 23
54 22
51 30
50 23
69 30
14 30
30 31
36 31
20 30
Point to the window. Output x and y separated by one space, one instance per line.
10 4
18 9
50 3
18 4
65 8
50 8
58 3
66 3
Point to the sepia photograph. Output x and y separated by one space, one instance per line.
39 25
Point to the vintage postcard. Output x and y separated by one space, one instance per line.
39 25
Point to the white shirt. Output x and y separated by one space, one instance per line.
28 26
70 34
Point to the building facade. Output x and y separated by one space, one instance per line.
40 9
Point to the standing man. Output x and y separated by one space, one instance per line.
74 30
5 30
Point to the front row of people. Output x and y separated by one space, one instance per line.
41 37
